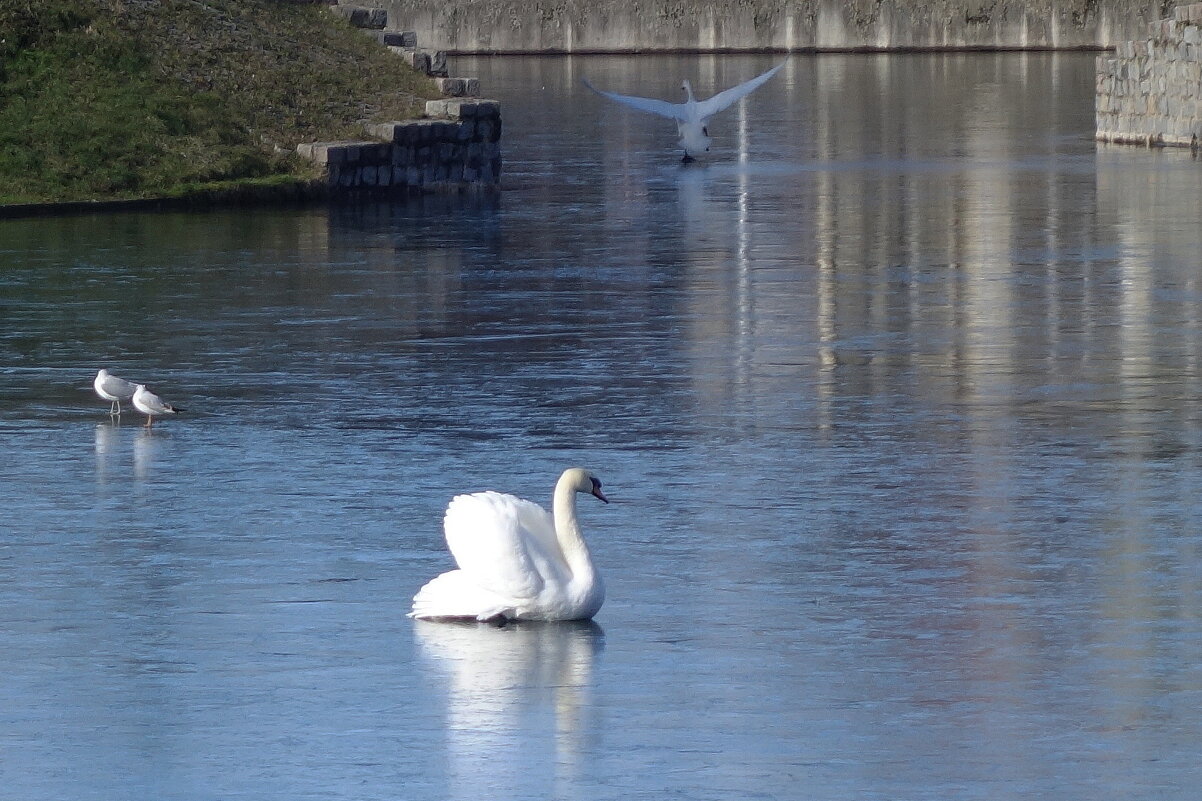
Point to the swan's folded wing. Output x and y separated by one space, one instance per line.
663 108
727 98
501 542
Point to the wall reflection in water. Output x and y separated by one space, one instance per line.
522 688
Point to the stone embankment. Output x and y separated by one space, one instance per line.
461 150
1150 90
456 148
626 26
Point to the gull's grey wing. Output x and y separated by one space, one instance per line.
727 98
673 111
118 387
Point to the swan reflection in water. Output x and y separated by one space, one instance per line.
518 700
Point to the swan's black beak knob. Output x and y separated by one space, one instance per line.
597 491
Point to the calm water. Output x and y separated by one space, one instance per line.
898 397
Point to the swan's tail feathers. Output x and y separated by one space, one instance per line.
452 596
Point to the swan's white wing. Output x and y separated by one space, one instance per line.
727 98
505 545
663 108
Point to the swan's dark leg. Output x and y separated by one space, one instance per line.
687 158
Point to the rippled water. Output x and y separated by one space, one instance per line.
896 396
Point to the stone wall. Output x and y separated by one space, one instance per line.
458 149
1150 90
618 26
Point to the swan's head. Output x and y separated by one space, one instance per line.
581 480
687 88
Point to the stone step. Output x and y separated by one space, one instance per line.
362 16
394 38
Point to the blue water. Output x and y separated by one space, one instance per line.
896 396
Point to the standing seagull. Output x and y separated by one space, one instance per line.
112 388
692 116
151 404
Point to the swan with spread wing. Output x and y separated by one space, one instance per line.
692 116
516 562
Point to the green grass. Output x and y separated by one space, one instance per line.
115 99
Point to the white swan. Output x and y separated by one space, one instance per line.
151 404
692 116
516 562
114 389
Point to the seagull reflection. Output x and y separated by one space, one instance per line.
144 446
105 444
508 688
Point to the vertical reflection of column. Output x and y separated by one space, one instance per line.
990 307
989 298
826 236
745 308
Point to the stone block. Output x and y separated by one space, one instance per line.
348 152
418 59
471 87
488 108
461 109
384 131
361 17
452 87
367 175
394 38
438 63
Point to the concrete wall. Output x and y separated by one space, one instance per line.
582 26
1148 91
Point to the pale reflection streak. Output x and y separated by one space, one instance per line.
104 444
520 687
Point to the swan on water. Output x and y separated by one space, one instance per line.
516 562
692 116
151 404
114 389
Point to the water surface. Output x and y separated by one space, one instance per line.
896 396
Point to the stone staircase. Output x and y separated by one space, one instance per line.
455 148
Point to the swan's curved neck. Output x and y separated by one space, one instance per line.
688 91
567 531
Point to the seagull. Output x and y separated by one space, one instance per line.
112 388
151 404
692 116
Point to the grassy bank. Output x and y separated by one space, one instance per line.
114 99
